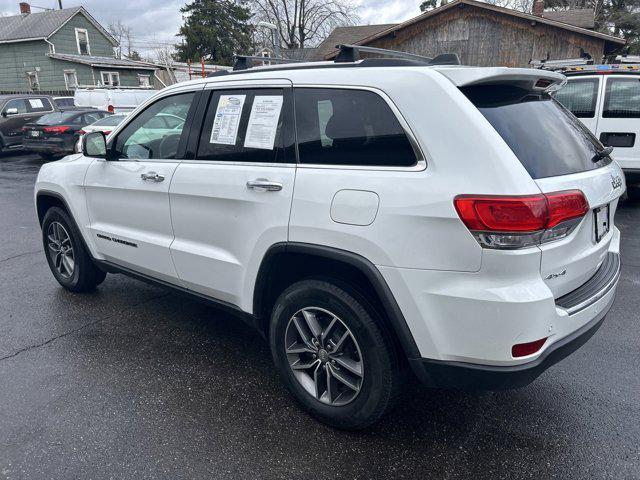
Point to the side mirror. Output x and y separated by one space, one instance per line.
94 145
10 111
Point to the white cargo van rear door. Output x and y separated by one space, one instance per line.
581 95
619 123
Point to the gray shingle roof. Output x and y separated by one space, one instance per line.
348 35
108 62
579 17
34 25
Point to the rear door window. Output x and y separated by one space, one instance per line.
580 96
622 98
39 105
349 127
547 139
248 125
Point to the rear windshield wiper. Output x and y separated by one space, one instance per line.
605 152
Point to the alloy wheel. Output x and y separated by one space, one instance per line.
324 356
61 249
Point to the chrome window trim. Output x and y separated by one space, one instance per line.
239 164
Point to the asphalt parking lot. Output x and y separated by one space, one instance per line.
134 382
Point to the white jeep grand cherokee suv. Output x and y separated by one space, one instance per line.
368 218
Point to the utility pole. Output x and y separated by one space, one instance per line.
60 4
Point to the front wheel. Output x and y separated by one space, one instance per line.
332 354
67 256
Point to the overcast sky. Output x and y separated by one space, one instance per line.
155 22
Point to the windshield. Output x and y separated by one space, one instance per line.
547 139
110 121
56 118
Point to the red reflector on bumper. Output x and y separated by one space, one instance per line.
524 349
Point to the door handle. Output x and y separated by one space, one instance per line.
152 176
264 185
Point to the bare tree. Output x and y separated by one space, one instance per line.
304 23
520 5
122 34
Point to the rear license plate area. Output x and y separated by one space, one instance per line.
602 221
34 133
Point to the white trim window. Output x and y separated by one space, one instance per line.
32 78
70 79
144 81
110 79
82 41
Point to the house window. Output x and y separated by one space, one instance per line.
110 79
82 39
144 81
70 79
32 78
265 54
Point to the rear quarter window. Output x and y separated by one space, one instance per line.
548 140
349 127
622 98
580 96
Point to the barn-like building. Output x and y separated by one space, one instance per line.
487 35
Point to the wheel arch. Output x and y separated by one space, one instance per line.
287 262
45 199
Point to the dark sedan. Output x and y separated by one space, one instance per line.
56 134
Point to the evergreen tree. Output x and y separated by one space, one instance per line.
215 30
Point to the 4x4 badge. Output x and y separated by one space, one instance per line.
616 181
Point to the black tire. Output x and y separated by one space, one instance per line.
633 192
84 275
380 382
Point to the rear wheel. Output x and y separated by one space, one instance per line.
67 256
332 354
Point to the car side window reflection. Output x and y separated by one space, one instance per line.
17 103
150 135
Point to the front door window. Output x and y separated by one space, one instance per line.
156 132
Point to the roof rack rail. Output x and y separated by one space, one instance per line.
547 64
245 62
351 53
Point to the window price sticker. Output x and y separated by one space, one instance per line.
263 122
227 120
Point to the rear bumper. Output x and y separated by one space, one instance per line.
469 376
50 146
465 324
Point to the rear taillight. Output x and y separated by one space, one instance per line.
521 221
57 129
110 109
82 132
107 132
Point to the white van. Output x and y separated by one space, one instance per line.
112 100
607 100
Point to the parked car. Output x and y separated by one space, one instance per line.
64 102
55 134
16 111
112 100
606 98
106 124
366 217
